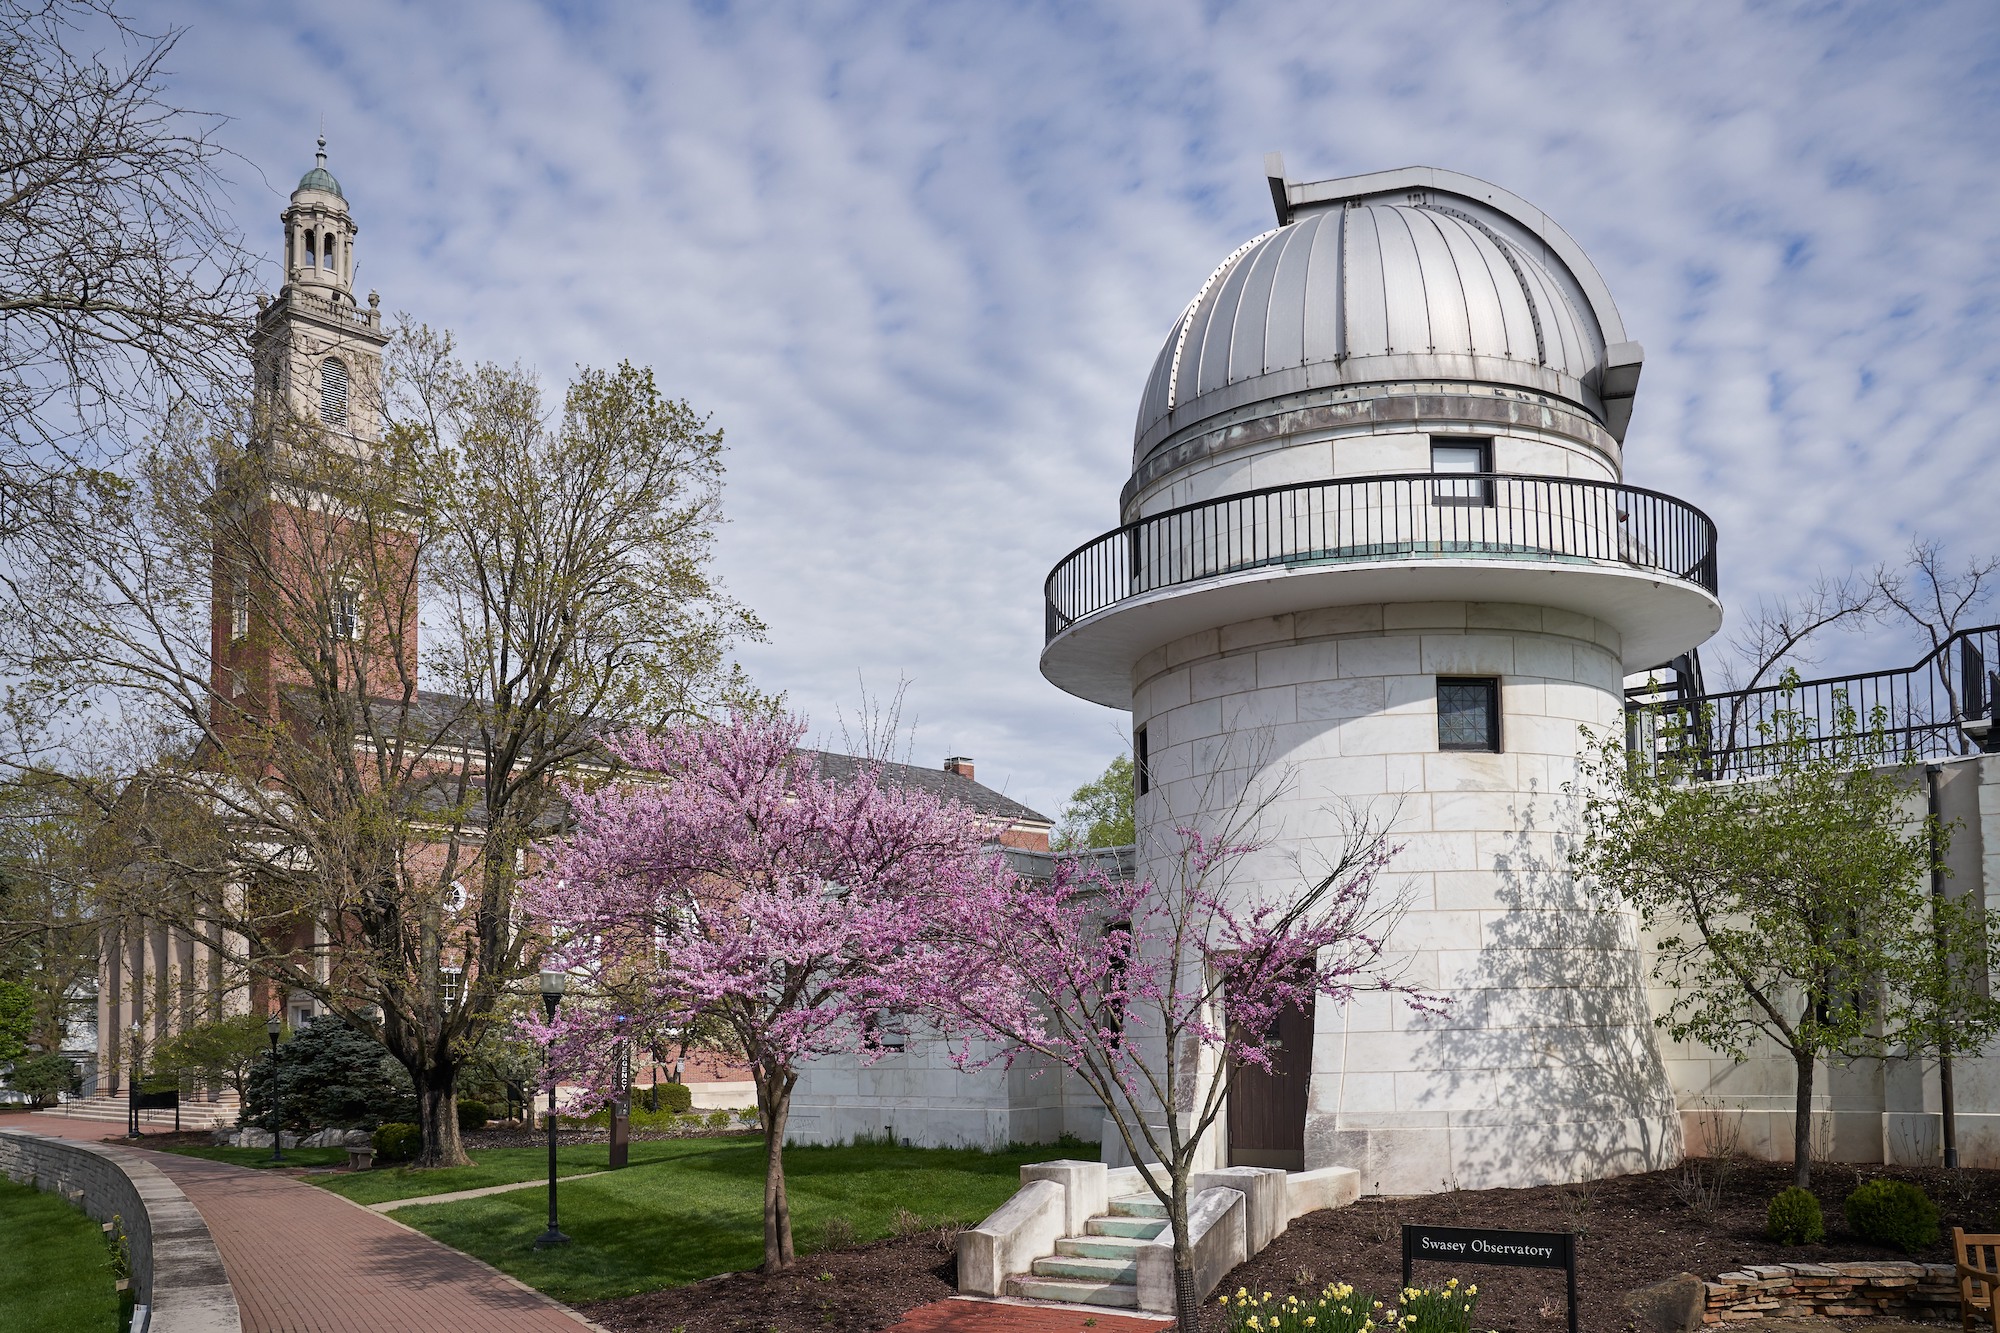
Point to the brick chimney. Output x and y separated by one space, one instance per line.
960 765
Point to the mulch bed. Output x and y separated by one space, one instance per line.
862 1288
1636 1231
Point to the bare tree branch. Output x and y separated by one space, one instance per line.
122 283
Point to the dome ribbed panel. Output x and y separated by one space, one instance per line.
1450 324
1324 318
1153 403
1253 309
1405 291
1485 311
1285 323
1366 309
1560 330
1211 364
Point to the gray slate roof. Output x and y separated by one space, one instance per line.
977 796
451 720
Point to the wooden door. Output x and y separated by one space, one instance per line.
1267 1112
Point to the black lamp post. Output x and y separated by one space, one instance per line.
553 983
272 1027
132 1090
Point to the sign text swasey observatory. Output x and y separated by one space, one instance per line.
1508 1249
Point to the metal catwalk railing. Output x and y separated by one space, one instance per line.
1410 516
1938 708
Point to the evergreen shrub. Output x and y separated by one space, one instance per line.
1893 1212
329 1075
472 1114
672 1097
1794 1218
398 1143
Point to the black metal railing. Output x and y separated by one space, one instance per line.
1410 516
1940 707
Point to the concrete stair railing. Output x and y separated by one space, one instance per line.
1082 1234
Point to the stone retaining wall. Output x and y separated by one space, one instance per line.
176 1271
1785 1291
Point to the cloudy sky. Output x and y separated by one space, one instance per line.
917 260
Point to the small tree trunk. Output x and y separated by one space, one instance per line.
437 1115
1187 1301
1802 1122
774 1098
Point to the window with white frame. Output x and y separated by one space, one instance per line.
344 613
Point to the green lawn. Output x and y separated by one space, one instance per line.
700 1211
57 1278
502 1166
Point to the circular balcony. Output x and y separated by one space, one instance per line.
1635 559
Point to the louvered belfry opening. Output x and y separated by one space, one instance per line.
333 391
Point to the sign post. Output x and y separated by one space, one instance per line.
1505 1249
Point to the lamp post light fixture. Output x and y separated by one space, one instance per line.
272 1027
553 983
132 1089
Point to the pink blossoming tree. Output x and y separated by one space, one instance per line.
734 882
1155 992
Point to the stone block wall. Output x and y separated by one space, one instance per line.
1544 1069
176 1270
1792 1291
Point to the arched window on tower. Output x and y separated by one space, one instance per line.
333 391
329 250
312 249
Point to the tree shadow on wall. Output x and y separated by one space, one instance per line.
1546 1062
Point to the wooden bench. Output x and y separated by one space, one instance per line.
1978 1278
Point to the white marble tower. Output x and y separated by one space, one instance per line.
1375 540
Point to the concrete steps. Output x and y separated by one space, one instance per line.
1100 1267
1100 1247
1116 1295
112 1110
1088 1269
1138 1205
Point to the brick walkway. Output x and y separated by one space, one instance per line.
303 1260
1006 1317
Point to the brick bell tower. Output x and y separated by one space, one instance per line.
311 560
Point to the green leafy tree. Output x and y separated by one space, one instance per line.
329 1076
49 923
1792 907
42 1077
561 550
1099 813
17 1020
225 1051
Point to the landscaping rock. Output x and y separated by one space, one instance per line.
252 1138
1673 1306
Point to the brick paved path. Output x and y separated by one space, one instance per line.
1006 1317
303 1260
